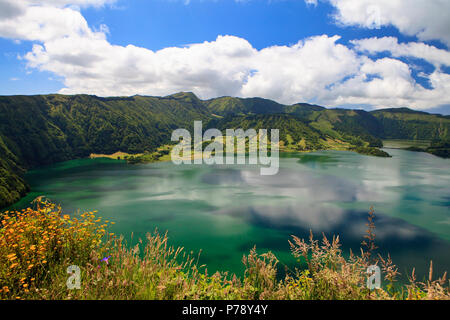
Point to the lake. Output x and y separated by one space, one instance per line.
226 210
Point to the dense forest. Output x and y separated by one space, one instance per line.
40 130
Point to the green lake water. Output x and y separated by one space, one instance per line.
226 210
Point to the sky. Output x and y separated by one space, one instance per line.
367 54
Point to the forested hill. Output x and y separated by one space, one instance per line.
39 130
395 123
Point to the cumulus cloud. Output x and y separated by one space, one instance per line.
300 72
42 23
10 9
388 82
319 69
435 56
426 19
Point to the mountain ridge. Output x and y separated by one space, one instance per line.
185 93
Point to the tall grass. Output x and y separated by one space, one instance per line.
38 244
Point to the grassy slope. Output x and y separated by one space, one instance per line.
292 129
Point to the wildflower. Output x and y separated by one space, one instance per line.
13 265
11 256
106 259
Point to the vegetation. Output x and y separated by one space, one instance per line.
12 184
42 130
160 154
440 148
371 151
116 155
38 244
292 129
403 123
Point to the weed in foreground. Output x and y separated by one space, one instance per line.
38 244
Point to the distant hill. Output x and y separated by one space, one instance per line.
44 129
237 106
405 123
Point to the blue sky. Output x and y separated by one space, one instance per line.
261 31
159 24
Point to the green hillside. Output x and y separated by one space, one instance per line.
12 184
295 134
44 129
408 124
41 130
236 106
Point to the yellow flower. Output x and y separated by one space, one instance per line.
13 265
45 261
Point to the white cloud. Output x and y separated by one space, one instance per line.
300 72
311 2
433 55
318 69
10 9
426 19
39 23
